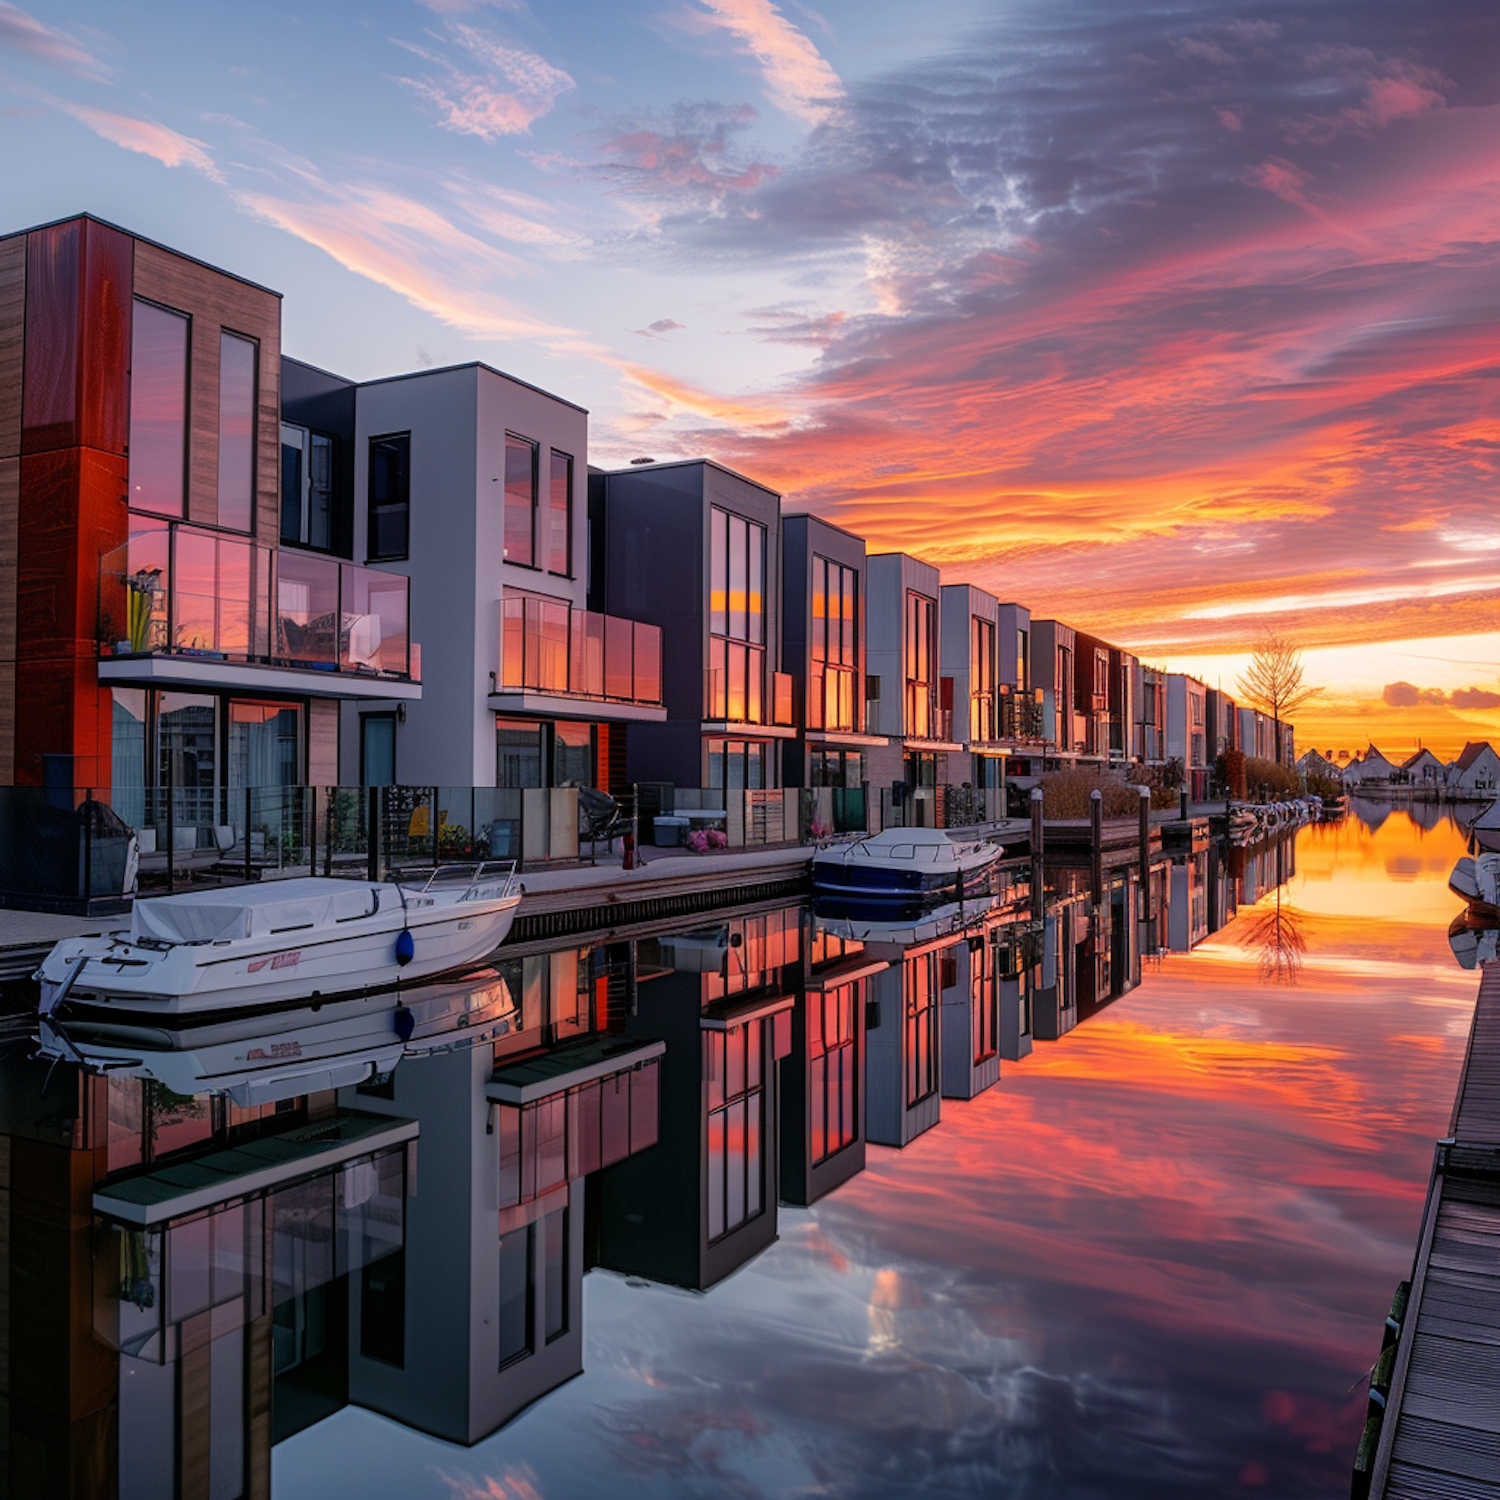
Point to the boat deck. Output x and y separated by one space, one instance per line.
1441 1434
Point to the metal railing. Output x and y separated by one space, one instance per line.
547 646
178 589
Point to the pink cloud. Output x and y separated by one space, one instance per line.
170 147
798 78
22 32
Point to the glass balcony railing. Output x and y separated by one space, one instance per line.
1020 714
176 589
547 646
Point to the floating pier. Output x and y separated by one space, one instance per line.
1439 1438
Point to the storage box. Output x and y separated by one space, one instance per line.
669 831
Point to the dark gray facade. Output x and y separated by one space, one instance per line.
654 564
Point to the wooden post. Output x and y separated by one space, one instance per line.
1038 897
1096 846
1145 851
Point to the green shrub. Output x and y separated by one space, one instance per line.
1269 780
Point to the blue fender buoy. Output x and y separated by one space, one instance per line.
404 1022
406 949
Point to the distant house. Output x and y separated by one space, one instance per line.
1476 772
1313 763
1423 769
1370 769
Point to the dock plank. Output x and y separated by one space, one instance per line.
1441 1435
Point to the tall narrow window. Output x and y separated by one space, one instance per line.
158 409
737 658
554 1231
560 515
514 1310
390 497
236 431
922 1003
733 1063
520 500
307 487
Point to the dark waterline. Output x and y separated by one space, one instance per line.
1154 1260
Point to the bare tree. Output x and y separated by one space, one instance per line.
1274 682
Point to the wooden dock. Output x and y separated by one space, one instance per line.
1440 1436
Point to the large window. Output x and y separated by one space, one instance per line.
734 1064
735 764
307 500
390 497
519 760
265 745
237 359
1023 660
158 409
833 1055
984 999
520 500
514 1312
982 674
560 515
923 991
737 625
832 695
921 666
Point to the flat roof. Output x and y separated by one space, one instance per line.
688 463
184 1187
474 364
812 515
145 240
567 1067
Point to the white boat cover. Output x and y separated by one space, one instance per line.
251 911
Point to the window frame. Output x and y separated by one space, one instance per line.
567 516
530 563
371 556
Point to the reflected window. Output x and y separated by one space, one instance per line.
520 500
307 479
237 361
573 754
390 497
560 515
265 745
187 746
734 1066
737 659
554 1236
833 1056
158 409
128 754
923 987
513 1315
518 749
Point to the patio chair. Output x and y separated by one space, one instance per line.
599 817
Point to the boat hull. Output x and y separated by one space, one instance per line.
271 970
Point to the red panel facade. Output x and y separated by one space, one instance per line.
71 505
71 512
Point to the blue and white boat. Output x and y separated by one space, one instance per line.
905 864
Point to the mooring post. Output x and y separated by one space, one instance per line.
1145 851
1038 896
1184 803
1096 846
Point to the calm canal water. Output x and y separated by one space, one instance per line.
1153 1261
1109 1202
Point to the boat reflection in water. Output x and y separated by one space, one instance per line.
219 1227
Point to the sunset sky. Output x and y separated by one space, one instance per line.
1177 321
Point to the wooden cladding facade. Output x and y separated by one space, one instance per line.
67 295
216 302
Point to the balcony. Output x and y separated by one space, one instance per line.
734 694
832 695
183 605
551 651
1020 715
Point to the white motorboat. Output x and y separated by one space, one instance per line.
285 941
1473 945
903 864
892 934
1485 829
265 1059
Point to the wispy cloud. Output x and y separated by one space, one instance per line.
160 142
797 78
514 89
408 247
21 32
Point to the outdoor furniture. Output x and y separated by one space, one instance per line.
599 817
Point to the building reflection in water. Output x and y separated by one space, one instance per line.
215 1238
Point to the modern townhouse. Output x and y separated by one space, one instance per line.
705 1201
1257 734
694 549
903 1040
904 669
474 485
1053 647
1187 730
164 645
1091 697
824 606
1150 729
823 1075
1221 724
1124 707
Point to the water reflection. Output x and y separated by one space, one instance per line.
1148 1262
